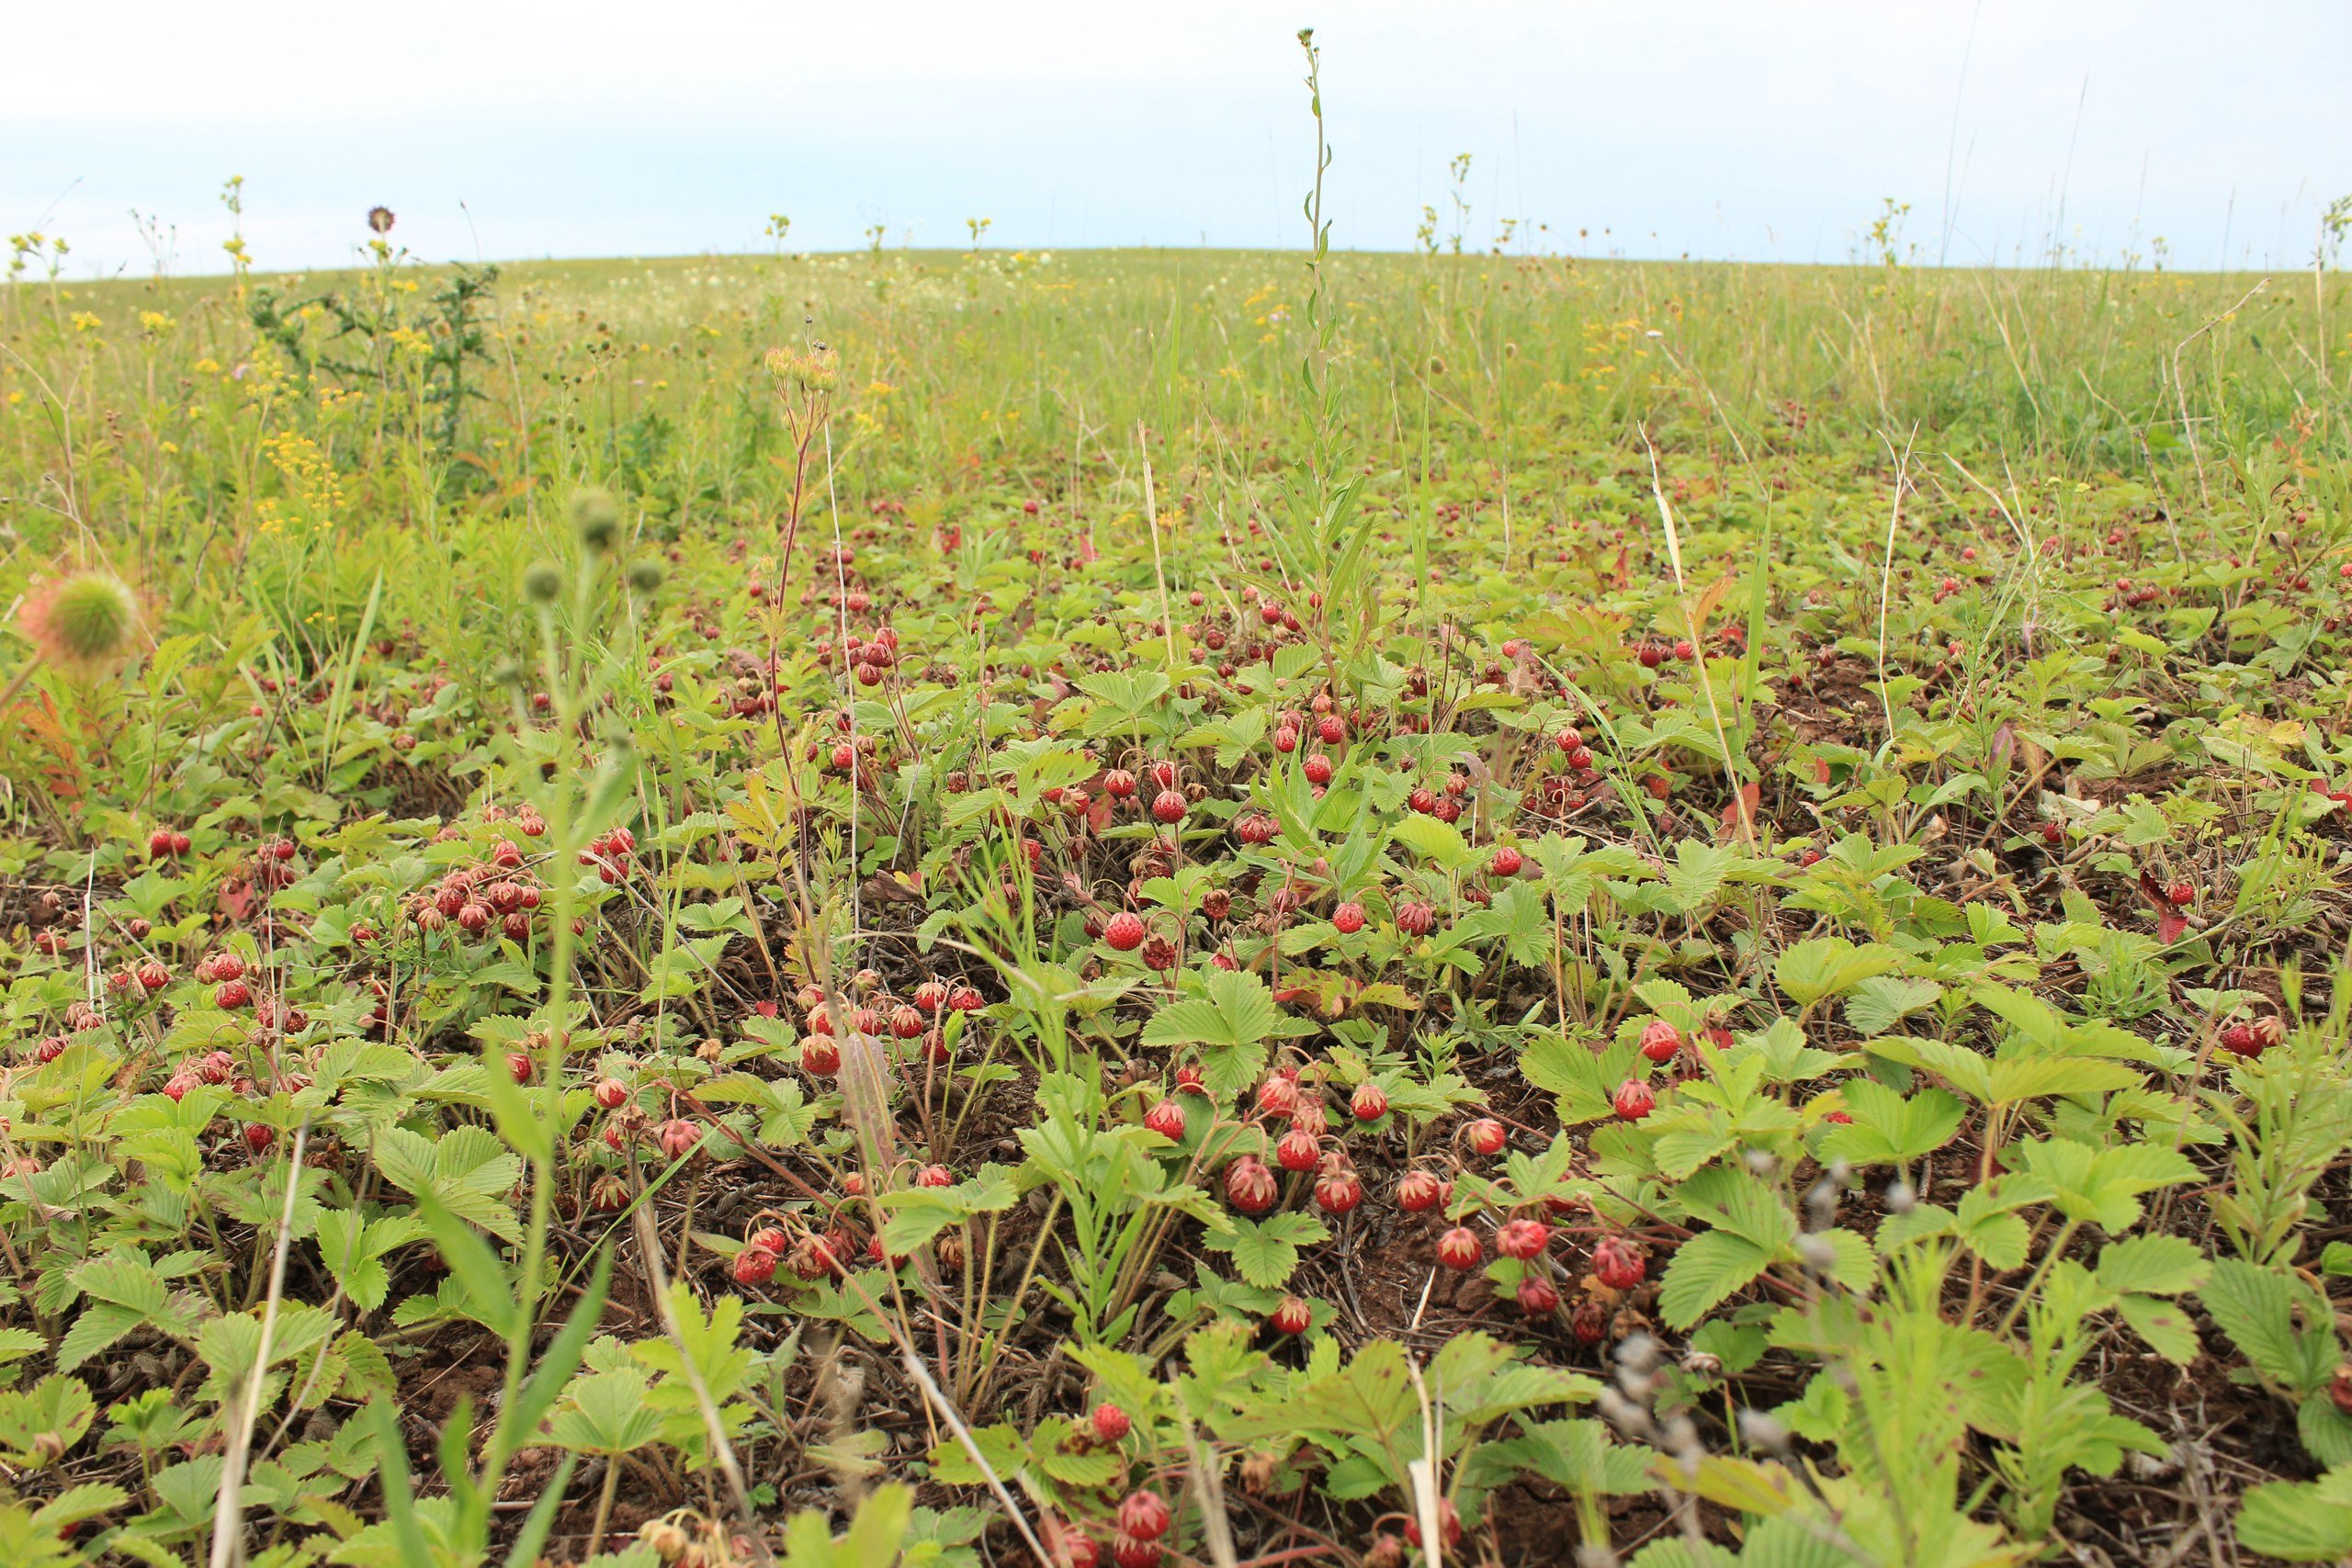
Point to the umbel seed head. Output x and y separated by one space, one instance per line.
542 580
597 516
82 622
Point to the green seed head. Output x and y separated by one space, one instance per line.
542 580
597 516
645 573
83 622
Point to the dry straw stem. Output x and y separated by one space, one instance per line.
229 1511
648 1244
1692 619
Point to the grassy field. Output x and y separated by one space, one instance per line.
1190 908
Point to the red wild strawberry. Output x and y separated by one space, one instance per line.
1190 1081
1337 1192
1286 739
159 842
1448 1524
1682 650
231 993
1348 918
1278 1095
1522 1239
1331 730
1118 784
1486 1136
1507 862
1589 1322
1618 1262
1293 1316
930 995
755 1265
1298 1150
258 1137
2181 893
934 1176
1416 918
1634 1100
1568 740
1424 800
820 1054
1128 1552
1661 1041
152 976
228 966
1168 808
1420 1192
1250 1185
966 998
906 1023
518 1066
1144 1515
1110 1423
679 1137
1167 1119
1538 1297
1369 1103
1460 1248
1317 769
1652 656
1124 932
1255 829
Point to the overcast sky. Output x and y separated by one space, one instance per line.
1767 130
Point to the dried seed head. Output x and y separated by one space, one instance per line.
542 580
83 622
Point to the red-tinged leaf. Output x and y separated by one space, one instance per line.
1742 806
1820 771
236 899
2169 927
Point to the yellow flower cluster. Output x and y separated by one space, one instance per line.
314 490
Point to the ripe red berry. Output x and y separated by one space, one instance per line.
966 998
1167 1119
518 1066
228 966
1126 1552
1317 769
1331 730
1618 1262
822 1054
1416 918
1250 1186
1634 1100
258 1137
1167 806
2181 893
1522 1239
1337 1192
159 842
679 1137
1124 931
1110 1423
1486 1136
1118 784
1369 1103
1298 1150
1293 1316
1420 1192
1460 1248
1508 862
231 993
1278 1095
1286 739
1538 1297
152 976
1144 1515
755 1265
1348 918
1661 1041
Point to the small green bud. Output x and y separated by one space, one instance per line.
597 516
542 581
645 573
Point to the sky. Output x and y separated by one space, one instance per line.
1754 130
